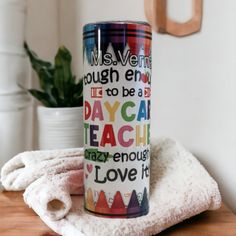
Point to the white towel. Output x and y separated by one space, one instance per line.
180 189
50 194
26 167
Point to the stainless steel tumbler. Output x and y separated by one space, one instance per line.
117 79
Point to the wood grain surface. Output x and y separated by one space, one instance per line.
16 219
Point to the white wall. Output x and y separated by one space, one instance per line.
42 31
195 100
194 78
42 35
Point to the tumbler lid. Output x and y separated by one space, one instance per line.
125 25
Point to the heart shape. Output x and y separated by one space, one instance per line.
144 78
89 168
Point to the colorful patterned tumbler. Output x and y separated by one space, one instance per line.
117 79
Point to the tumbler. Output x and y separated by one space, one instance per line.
117 90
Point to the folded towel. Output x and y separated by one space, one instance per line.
26 167
180 189
50 194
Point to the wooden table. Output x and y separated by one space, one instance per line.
16 219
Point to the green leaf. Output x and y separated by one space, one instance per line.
47 84
63 74
79 88
58 85
77 102
44 98
60 102
45 80
36 62
63 61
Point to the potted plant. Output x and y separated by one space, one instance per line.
60 119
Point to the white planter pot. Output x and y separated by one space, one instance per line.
16 122
60 127
12 25
15 70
